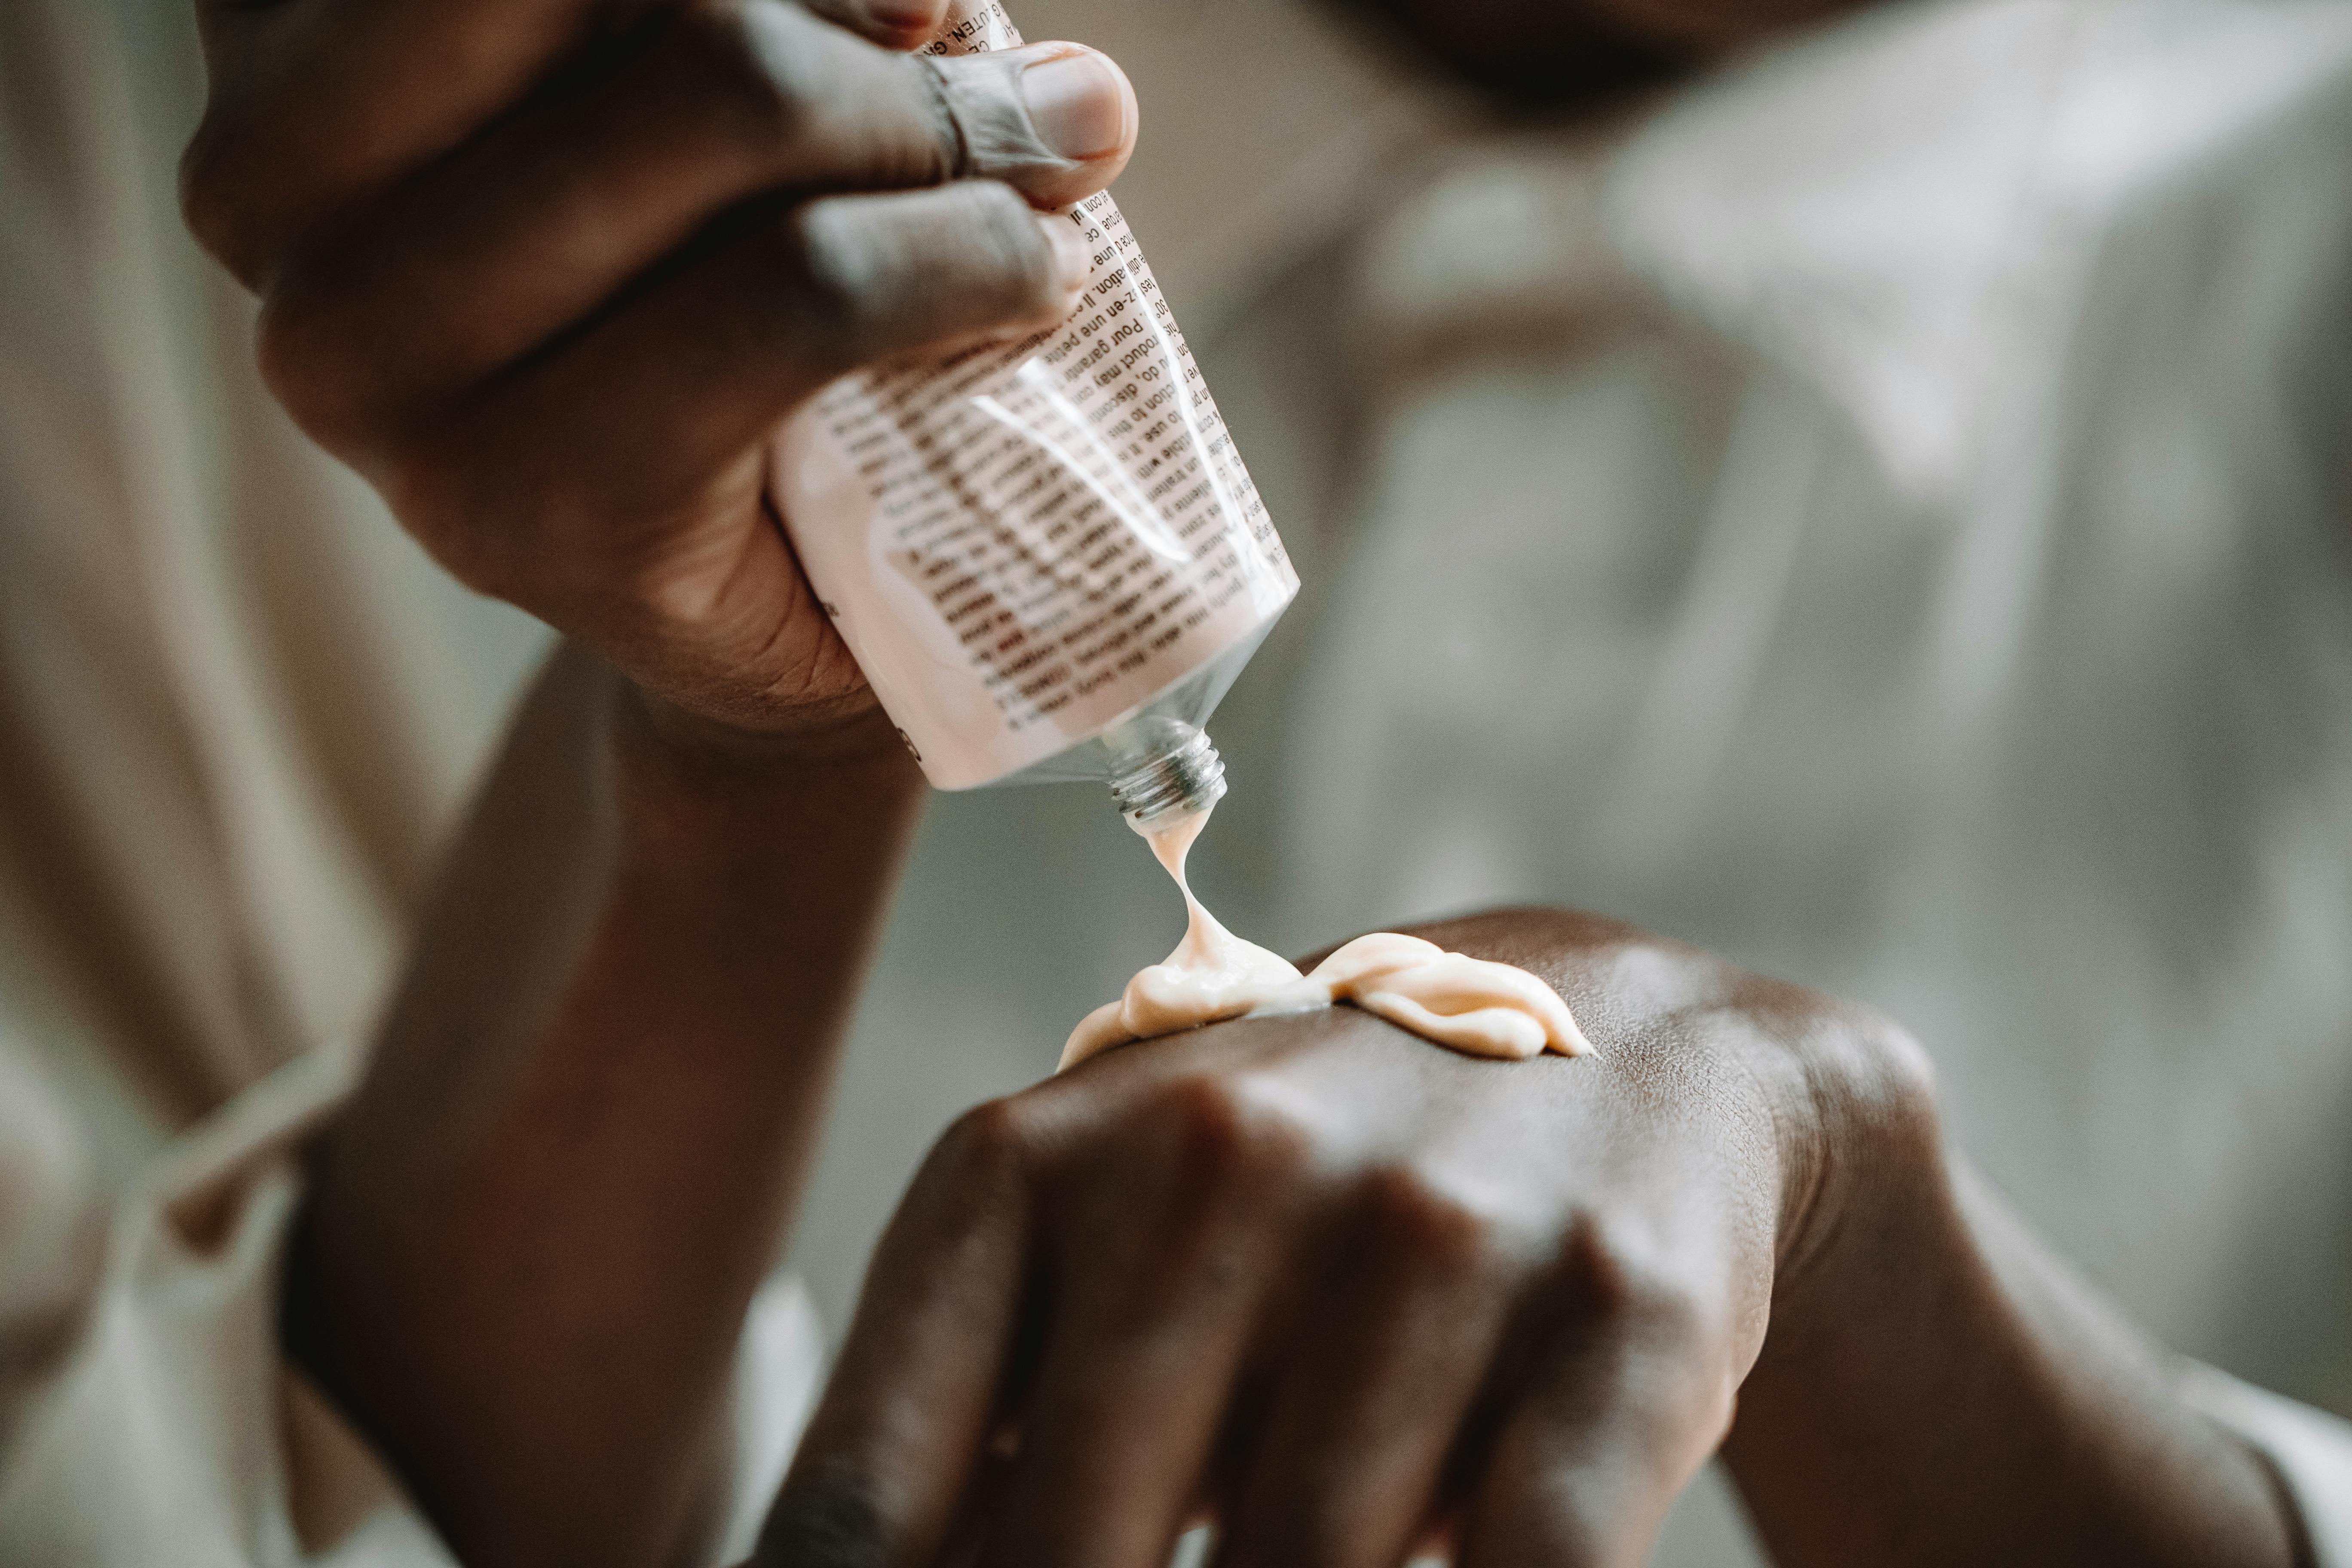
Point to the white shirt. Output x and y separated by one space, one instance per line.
1883 515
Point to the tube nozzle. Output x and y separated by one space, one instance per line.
1180 781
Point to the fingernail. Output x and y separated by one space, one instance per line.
1077 104
913 17
1072 264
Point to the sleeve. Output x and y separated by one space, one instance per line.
176 1432
2310 1450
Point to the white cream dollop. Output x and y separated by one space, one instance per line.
1470 1004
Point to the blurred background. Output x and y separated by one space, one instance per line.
1878 508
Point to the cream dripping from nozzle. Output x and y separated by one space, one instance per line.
1470 1004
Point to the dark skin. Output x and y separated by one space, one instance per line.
1346 1289
530 1239
1337 1282
549 274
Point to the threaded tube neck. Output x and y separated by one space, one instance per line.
1177 782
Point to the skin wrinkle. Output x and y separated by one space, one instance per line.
952 134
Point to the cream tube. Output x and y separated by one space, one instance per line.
1045 555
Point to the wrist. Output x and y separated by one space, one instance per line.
1867 1282
652 733
688 787
1866 1179
851 728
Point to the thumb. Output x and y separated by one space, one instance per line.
1056 121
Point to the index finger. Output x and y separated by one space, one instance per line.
316 103
894 1446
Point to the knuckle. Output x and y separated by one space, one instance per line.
527 533
1868 1084
1003 229
299 344
756 58
1443 1224
991 1143
439 502
1894 1074
486 560
870 275
783 81
216 195
1232 1130
1615 1275
205 191
1670 1339
834 265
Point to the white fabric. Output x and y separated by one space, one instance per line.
2311 1450
176 1433
1883 516
237 705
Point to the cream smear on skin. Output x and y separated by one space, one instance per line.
1470 1004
